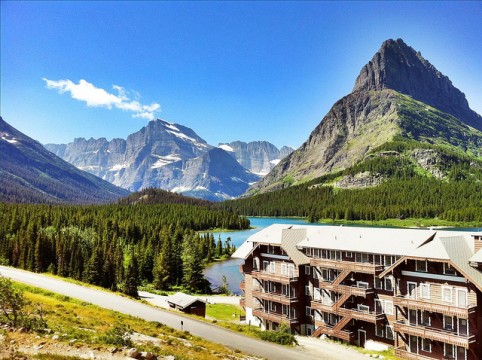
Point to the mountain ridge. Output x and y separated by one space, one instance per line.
30 173
374 114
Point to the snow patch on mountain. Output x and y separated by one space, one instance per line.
226 147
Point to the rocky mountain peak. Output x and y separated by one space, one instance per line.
399 67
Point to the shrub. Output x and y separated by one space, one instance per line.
282 336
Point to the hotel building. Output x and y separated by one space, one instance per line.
415 290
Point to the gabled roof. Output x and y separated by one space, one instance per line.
244 250
477 257
182 300
289 239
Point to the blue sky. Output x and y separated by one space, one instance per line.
228 70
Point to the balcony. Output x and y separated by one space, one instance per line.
273 296
368 316
434 334
366 268
402 353
275 317
346 289
265 275
450 310
323 328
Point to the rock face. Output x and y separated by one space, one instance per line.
399 67
259 157
160 155
378 110
30 173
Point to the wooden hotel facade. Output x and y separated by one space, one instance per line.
419 291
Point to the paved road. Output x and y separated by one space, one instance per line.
326 351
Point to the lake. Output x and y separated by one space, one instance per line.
230 268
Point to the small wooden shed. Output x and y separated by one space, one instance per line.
187 304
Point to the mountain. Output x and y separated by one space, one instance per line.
259 157
398 96
161 155
31 174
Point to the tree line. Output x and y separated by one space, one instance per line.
116 246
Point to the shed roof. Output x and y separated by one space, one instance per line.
477 257
289 239
182 300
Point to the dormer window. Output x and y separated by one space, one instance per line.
449 270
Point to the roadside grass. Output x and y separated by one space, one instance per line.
96 327
224 312
387 354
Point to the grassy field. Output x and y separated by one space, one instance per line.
224 312
100 329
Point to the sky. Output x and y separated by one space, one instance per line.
229 70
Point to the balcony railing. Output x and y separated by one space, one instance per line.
323 328
276 317
434 334
366 268
352 290
273 296
405 301
266 275
402 353
369 316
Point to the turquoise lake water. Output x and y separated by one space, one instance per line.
230 268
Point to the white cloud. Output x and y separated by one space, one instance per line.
97 97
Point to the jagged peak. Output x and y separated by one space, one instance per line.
399 67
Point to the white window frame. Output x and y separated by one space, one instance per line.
466 326
422 312
307 290
389 278
389 305
425 291
379 330
417 262
424 342
452 352
362 284
308 311
266 268
272 306
307 270
387 336
363 308
272 267
457 290
415 295
291 270
349 254
284 268
377 283
445 323
446 299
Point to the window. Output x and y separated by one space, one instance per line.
307 269
272 287
379 330
316 275
389 283
307 290
425 291
378 259
256 263
388 307
378 283
271 249
291 270
308 311
349 254
449 270
272 267
447 294
284 268
425 318
265 265
272 306
421 265
363 308
389 332
389 260
449 350
362 257
448 323
378 306
362 284
426 345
